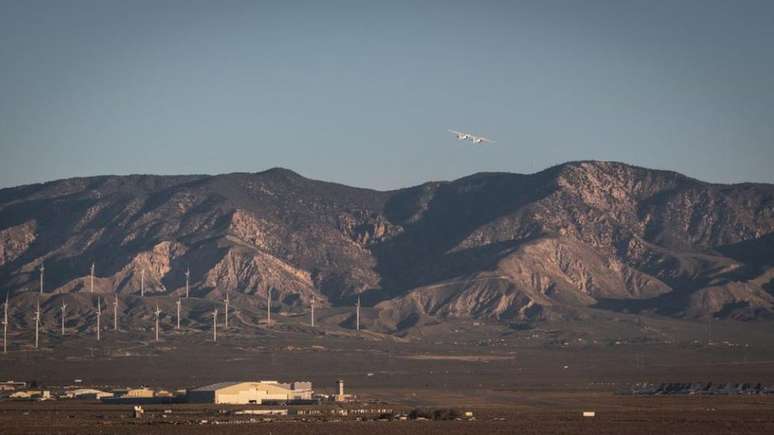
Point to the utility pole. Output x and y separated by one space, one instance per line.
142 282
115 313
268 308
215 325
42 270
37 324
187 276
226 303
357 314
157 313
64 307
312 311
92 277
99 315
178 313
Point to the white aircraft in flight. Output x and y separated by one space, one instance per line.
467 136
460 135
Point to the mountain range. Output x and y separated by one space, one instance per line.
512 247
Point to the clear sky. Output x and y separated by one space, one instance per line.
362 92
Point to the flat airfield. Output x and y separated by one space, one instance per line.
535 380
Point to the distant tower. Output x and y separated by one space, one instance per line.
142 282
115 313
215 325
178 313
37 323
226 307
63 308
187 276
5 324
99 317
42 270
312 311
268 307
340 385
157 313
357 314
92 277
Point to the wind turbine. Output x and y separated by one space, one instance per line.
312 311
42 270
178 313
187 276
142 282
37 323
157 313
215 325
115 313
357 314
5 324
268 308
92 277
226 303
99 318
63 308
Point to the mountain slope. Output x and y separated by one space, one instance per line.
508 246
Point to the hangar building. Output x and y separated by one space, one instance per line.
241 393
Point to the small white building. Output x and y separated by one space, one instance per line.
242 393
87 394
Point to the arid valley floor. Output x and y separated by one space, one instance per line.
531 380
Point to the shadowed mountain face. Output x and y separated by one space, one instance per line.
497 245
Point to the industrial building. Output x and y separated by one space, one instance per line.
240 393
87 394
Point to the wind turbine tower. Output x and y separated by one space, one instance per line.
226 307
187 276
5 324
142 282
178 313
312 311
357 314
63 308
115 313
268 307
215 325
92 277
42 270
37 324
99 316
157 313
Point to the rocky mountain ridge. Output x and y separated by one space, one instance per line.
492 245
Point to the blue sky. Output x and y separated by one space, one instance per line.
362 92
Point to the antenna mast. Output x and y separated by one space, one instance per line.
92 277
312 311
142 282
42 270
